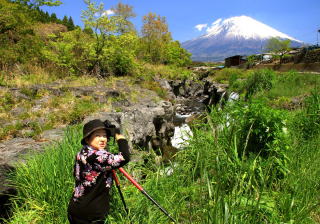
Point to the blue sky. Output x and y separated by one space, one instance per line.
297 18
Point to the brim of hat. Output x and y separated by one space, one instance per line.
83 141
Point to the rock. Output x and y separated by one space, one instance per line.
17 111
142 123
53 135
193 97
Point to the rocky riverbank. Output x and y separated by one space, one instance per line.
147 120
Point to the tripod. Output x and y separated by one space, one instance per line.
140 189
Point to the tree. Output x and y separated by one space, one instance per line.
155 37
103 26
70 24
65 21
175 54
38 3
124 12
71 51
18 43
53 18
88 30
112 53
278 46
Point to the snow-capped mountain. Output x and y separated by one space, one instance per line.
239 35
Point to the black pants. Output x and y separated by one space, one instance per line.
75 220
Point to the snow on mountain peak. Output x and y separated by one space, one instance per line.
243 27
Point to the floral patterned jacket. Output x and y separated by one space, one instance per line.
91 164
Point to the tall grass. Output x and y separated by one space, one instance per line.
292 84
45 182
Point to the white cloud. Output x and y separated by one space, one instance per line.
107 12
201 26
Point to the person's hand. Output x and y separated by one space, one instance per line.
119 136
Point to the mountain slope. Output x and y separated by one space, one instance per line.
237 35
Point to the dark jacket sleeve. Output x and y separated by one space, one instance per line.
124 149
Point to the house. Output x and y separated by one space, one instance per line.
234 61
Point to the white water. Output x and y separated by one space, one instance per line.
233 97
181 137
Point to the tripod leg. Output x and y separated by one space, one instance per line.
145 193
119 190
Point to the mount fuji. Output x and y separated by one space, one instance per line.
239 35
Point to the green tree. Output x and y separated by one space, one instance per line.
53 18
70 24
278 46
65 21
88 30
124 13
177 55
47 17
38 3
103 27
111 53
71 50
18 43
155 37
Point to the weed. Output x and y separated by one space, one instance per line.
308 120
259 80
227 74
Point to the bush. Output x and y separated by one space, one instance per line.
259 80
118 58
259 127
260 132
176 55
71 50
224 75
308 120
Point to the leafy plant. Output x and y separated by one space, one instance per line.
260 128
259 80
308 120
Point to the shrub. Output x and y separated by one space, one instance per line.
260 132
224 75
259 80
118 57
70 50
260 128
308 120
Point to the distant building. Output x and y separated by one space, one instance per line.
266 57
234 61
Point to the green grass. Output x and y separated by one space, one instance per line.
292 84
212 180
45 183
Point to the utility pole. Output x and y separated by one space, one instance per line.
318 31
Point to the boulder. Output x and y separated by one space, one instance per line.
142 124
